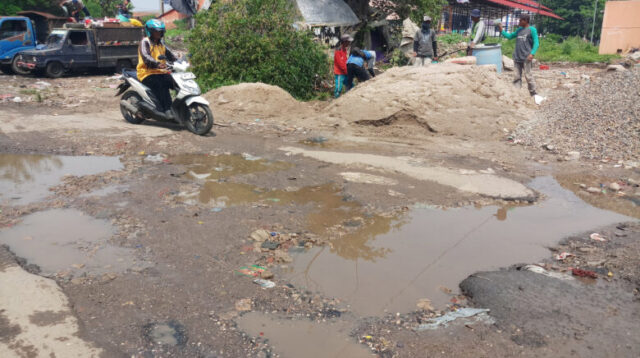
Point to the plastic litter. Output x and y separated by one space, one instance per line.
264 283
271 245
199 176
563 255
597 237
542 271
17 99
583 273
158 158
539 99
252 271
250 157
466 312
216 210
544 67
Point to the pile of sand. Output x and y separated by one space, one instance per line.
256 101
448 99
444 99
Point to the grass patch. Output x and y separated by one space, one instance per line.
554 49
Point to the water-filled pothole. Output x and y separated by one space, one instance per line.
26 178
428 252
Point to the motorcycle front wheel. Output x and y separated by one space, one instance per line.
199 118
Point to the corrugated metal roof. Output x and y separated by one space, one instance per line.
327 13
526 7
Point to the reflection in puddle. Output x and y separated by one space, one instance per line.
62 240
27 178
431 249
303 338
225 166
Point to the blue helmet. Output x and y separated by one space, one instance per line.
153 25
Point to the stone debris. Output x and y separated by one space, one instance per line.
606 126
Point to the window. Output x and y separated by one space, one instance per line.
13 30
78 38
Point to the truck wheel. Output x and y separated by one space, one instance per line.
54 69
133 98
199 119
123 65
16 69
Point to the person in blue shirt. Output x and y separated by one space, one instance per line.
526 46
355 66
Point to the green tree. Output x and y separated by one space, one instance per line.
255 41
578 18
11 7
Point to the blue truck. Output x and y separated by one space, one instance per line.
24 32
75 48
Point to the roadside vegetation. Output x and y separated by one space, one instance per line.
554 49
255 41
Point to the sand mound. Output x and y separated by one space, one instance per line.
255 100
468 101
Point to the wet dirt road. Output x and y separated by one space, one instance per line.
152 240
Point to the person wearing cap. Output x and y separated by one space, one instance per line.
526 46
477 31
425 47
340 64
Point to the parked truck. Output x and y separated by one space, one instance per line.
17 33
76 49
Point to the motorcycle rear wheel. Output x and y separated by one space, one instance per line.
133 98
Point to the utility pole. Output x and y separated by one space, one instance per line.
161 7
593 25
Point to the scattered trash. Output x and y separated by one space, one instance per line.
199 176
425 304
17 99
319 139
563 255
264 283
597 237
250 157
267 275
141 152
251 271
539 99
158 158
275 200
260 235
583 273
544 67
244 305
466 312
282 256
216 210
542 271
271 245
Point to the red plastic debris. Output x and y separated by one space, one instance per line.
583 273
544 67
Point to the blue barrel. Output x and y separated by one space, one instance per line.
489 55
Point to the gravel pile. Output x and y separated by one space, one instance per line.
600 120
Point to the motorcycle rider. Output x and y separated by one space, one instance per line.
152 71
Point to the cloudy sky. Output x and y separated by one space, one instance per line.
147 5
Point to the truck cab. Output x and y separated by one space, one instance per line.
17 34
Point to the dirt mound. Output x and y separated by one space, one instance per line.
466 101
600 119
256 101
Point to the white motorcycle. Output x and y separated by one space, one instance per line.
189 108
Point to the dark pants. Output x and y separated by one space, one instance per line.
160 86
86 14
355 71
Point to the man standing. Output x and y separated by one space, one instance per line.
125 8
425 47
477 31
526 47
340 64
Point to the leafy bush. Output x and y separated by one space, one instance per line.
255 41
452 38
573 49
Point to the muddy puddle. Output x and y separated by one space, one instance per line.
428 252
303 338
26 178
66 241
207 167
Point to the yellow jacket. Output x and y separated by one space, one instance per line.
148 62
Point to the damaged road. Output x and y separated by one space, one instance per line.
283 238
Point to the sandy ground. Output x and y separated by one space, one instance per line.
185 212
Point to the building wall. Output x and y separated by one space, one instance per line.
620 26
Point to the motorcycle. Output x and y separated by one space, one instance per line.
189 108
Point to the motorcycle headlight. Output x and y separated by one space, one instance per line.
191 86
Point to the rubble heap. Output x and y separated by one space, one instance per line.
600 120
